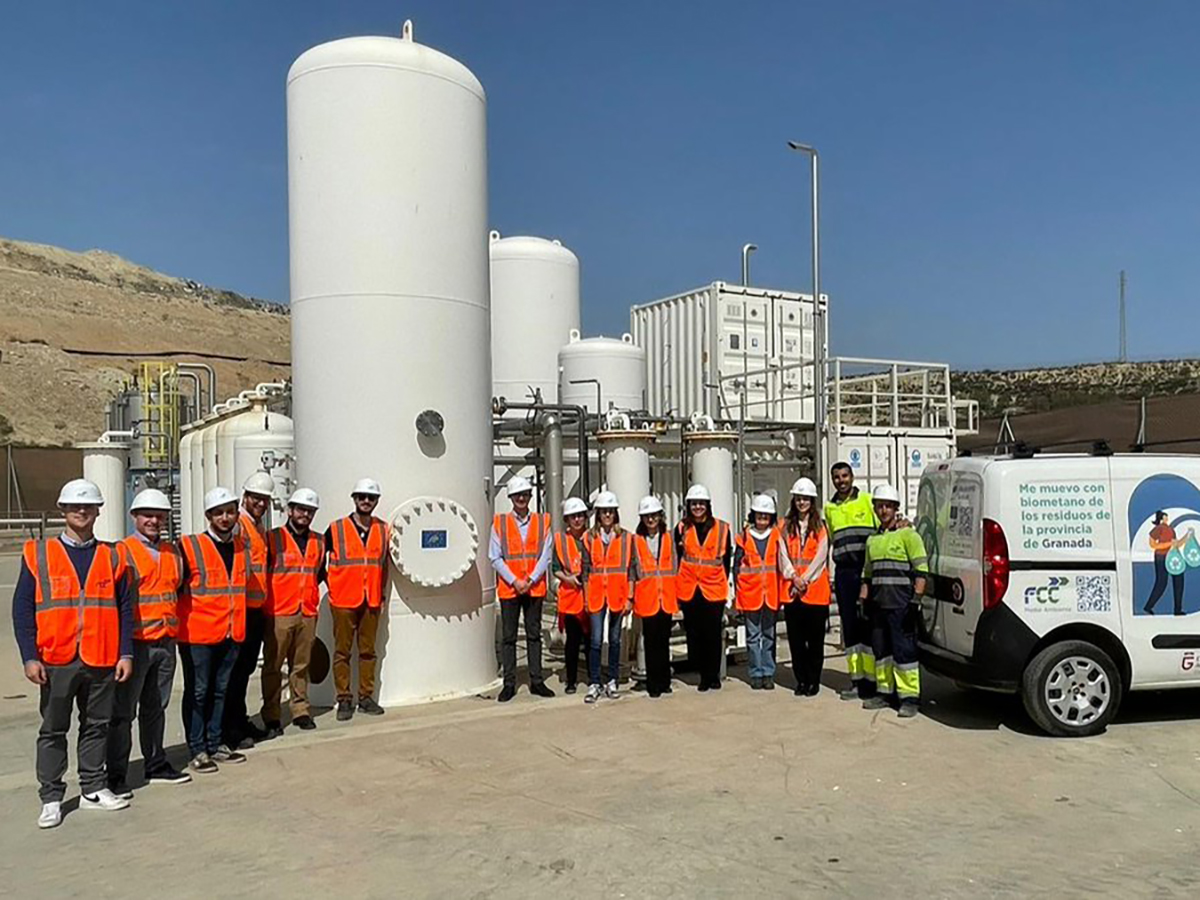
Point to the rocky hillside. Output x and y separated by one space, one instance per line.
74 326
1043 390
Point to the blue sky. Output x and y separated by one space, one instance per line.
987 168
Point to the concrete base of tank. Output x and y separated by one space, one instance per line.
736 792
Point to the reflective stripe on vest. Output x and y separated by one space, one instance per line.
570 556
850 523
292 585
356 571
654 591
212 603
819 591
757 576
157 584
256 577
521 556
72 618
608 574
702 565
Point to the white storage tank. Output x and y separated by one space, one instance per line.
105 464
535 307
618 365
391 338
711 456
627 466
186 443
262 440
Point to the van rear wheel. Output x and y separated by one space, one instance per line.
1072 689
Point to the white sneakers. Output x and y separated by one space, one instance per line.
593 693
103 800
51 816
610 691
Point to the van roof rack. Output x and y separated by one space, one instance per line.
1140 446
1099 447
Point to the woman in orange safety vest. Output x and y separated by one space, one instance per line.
704 551
758 563
567 566
608 548
805 595
654 601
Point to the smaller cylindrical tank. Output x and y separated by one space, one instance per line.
185 479
105 465
602 373
627 468
711 452
262 440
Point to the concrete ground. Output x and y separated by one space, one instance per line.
691 795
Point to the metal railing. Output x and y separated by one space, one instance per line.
32 526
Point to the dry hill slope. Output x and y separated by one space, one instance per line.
73 326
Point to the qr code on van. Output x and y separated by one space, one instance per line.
1093 593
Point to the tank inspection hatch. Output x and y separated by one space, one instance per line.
434 541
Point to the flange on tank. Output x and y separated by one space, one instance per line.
391 338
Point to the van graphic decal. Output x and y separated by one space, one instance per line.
1164 514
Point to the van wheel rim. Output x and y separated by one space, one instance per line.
1077 691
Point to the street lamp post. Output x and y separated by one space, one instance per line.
820 322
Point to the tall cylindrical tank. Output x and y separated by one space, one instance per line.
711 453
627 468
186 443
391 339
105 464
263 441
238 422
197 478
602 373
535 307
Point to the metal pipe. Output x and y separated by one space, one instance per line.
552 431
194 411
747 249
212 379
500 405
820 321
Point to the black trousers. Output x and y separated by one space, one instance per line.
656 633
574 644
1160 585
235 716
510 614
703 623
806 639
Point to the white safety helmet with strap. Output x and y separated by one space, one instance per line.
259 483
573 506
804 487
368 486
886 494
763 503
698 492
606 500
151 499
519 485
80 492
648 506
305 497
218 496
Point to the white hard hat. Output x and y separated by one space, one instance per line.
218 496
698 492
367 486
80 491
259 483
886 493
763 503
519 485
573 505
649 505
305 497
804 487
606 500
151 498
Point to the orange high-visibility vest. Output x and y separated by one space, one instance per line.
212 603
757 576
654 591
157 583
72 618
608 575
292 585
357 572
701 566
818 593
521 556
570 556
256 578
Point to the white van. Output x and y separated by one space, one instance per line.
1068 578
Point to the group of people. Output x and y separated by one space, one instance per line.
604 572
98 626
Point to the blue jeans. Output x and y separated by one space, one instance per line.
760 641
597 641
206 672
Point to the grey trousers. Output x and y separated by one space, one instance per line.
146 696
93 691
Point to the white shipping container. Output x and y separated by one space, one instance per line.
716 334
879 456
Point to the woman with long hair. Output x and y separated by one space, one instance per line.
705 554
654 601
805 596
567 566
609 548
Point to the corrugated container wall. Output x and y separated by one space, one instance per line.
535 307
391 338
714 334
